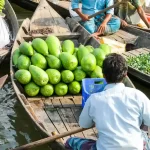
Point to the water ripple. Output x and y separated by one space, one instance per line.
15 127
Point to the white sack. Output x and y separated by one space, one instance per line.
4 33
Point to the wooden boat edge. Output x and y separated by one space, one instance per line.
17 91
139 75
13 26
12 18
21 96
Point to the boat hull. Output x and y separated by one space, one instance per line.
12 22
53 113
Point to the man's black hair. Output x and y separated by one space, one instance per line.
114 68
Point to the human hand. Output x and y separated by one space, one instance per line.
84 17
124 23
95 35
102 28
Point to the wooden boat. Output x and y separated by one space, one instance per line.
138 74
53 113
12 22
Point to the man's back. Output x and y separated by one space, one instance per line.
118 114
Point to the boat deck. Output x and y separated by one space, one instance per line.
46 17
122 37
136 52
65 4
60 114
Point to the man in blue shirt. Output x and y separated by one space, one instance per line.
100 25
117 112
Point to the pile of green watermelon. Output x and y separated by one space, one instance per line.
51 67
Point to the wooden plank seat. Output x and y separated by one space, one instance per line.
45 16
122 37
60 114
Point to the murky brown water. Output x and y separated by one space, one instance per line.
15 126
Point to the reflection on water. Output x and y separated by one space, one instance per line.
15 127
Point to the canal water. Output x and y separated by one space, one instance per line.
16 128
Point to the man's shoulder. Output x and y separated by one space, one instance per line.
134 91
127 91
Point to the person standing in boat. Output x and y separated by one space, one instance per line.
130 11
117 112
102 24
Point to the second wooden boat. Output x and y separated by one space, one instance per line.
11 21
54 113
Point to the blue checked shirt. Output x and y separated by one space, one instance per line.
90 7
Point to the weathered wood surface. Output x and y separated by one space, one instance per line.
123 37
54 138
45 16
3 80
61 36
62 113
138 74
136 52
55 113
65 4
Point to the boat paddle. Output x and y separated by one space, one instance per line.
49 139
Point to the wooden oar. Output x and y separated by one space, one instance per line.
108 8
49 139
